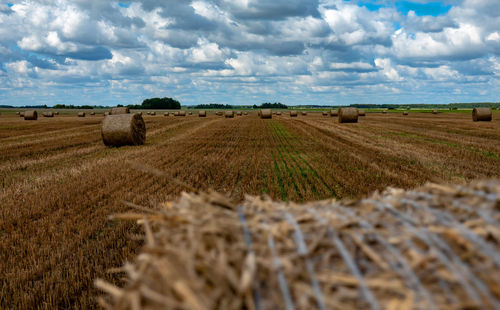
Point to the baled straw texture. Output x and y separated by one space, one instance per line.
21 114
123 129
334 112
278 113
190 113
245 113
81 114
165 114
202 113
219 113
324 113
30 115
293 113
106 113
182 113
119 110
92 113
304 113
481 115
266 113
48 114
153 113
229 114
348 115
361 113
176 113
239 113
437 247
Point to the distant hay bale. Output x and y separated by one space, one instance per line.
434 247
92 113
30 115
182 113
165 114
106 113
119 110
384 111
229 114
153 113
123 129
266 113
361 113
293 113
48 114
481 115
434 112
81 114
190 113
324 113
405 112
176 113
334 112
219 113
245 113
278 113
304 113
18 113
148 112
348 115
202 113
21 114
239 113
56 113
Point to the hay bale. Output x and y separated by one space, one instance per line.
219 113
153 113
30 115
266 113
481 115
405 112
106 113
293 113
119 110
202 113
190 113
361 113
324 113
245 113
304 113
92 113
239 113
123 129
434 112
165 114
81 114
21 114
18 113
182 113
375 253
48 114
384 111
176 113
56 113
140 113
334 112
348 115
278 113
229 114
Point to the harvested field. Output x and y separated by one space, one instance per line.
59 182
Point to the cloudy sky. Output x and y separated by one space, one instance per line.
327 52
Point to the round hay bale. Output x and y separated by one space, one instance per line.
481 115
140 113
21 114
293 113
92 113
266 113
245 113
434 112
123 129
153 113
278 113
119 110
239 113
165 114
17 113
30 115
81 114
219 113
56 113
361 113
190 113
202 113
258 113
324 113
148 112
176 113
348 115
106 113
182 113
405 113
304 113
334 112
48 114
229 114
384 111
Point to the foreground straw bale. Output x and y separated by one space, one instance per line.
436 247
481 115
348 115
123 129
202 113
30 115
266 113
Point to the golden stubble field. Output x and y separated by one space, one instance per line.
59 183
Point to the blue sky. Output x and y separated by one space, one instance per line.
326 52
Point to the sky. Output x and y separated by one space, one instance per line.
319 52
